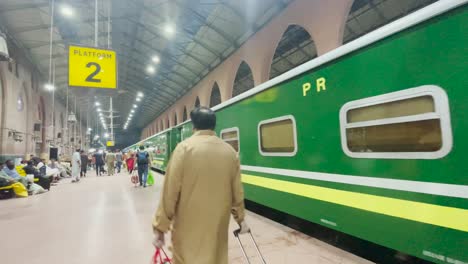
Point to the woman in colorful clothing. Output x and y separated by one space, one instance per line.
130 162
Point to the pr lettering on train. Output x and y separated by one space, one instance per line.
319 84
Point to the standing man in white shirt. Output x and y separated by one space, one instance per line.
76 166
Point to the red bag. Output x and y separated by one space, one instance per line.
134 178
159 259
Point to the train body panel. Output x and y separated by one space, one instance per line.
303 152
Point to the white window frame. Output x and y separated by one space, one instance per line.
273 120
442 112
226 130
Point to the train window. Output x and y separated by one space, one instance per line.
408 124
412 106
277 137
231 136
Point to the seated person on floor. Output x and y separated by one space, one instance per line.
10 170
5 180
55 165
44 180
46 170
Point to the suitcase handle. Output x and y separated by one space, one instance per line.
236 234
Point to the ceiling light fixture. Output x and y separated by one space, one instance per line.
150 69
169 29
99 110
139 94
155 59
97 104
138 99
135 106
67 11
49 87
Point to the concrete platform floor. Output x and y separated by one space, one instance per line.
105 220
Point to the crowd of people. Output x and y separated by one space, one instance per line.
35 175
29 177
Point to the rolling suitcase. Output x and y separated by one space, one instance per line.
236 234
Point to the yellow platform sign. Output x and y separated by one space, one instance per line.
110 143
92 68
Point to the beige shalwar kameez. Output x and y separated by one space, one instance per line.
110 161
202 187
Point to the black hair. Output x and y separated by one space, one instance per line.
142 147
203 118
30 163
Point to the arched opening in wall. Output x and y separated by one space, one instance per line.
197 102
168 123
295 47
161 125
184 114
368 15
215 97
244 79
175 119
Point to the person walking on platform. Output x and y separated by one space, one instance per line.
119 159
110 161
99 162
84 163
142 162
202 187
130 162
76 166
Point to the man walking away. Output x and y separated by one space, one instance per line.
142 161
99 162
119 159
76 166
110 160
202 187
84 163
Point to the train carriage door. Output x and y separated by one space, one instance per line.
175 138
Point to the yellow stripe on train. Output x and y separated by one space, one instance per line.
450 217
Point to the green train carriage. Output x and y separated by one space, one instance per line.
368 139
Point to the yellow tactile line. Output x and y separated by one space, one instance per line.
444 216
